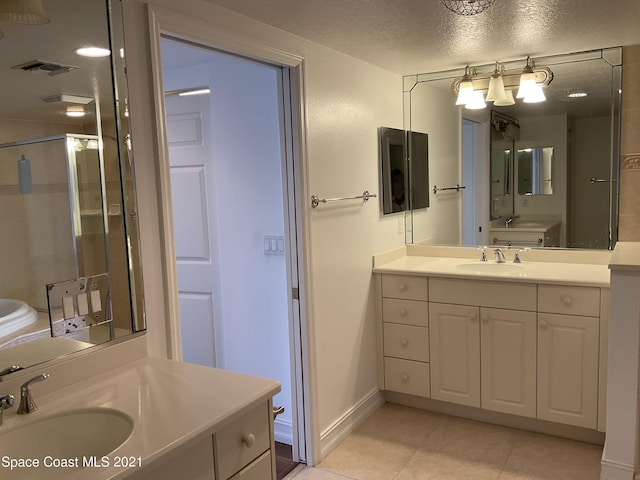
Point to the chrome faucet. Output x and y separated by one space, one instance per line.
27 405
484 253
6 401
499 256
516 258
509 221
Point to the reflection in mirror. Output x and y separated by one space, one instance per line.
580 120
404 172
67 188
535 171
505 130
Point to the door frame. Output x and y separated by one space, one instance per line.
201 33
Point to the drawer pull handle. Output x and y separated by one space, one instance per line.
405 378
567 301
485 318
403 312
249 440
543 324
404 342
402 287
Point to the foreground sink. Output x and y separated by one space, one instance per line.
492 268
74 437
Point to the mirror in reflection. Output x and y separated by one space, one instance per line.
535 171
71 275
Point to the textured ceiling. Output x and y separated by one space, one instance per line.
414 36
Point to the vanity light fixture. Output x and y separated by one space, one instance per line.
527 80
28 12
500 84
93 52
496 90
467 8
465 88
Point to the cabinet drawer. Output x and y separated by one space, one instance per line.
405 286
407 376
583 301
406 341
241 442
258 470
483 293
407 312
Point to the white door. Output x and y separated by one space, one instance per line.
232 214
190 160
454 344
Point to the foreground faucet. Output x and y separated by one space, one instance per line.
516 258
6 401
499 256
27 405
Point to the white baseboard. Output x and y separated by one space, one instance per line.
283 431
612 470
332 436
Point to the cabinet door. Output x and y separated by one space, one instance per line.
454 346
508 361
568 369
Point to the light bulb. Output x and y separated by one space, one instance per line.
506 101
477 101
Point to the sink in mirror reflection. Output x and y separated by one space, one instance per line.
492 268
80 434
14 315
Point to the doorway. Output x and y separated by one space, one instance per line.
233 226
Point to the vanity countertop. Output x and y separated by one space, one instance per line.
170 403
525 225
561 273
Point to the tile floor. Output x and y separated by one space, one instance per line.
401 443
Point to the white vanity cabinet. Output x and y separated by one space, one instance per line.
521 348
568 351
483 356
405 330
241 450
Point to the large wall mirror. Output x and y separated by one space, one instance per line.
70 275
556 160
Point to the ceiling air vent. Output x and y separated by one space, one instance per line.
49 68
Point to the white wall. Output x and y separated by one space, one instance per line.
345 101
432 113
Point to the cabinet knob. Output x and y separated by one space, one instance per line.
402 287
403 312
473 317
484 318
404 342
405 378
249 440
567 301
543 324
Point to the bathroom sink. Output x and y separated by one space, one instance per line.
492 268
14 315
75 437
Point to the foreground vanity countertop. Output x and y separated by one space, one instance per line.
169 402
469 266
